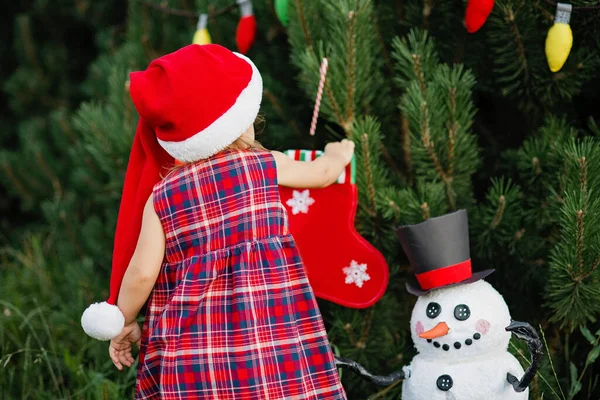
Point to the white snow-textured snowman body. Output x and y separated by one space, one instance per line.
463 355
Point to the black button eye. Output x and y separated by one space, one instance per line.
462 312
433 310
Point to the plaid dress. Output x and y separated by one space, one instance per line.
232 314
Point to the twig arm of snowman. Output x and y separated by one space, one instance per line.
386 380
526 332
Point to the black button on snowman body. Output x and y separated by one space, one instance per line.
444 382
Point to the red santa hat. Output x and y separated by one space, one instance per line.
192 103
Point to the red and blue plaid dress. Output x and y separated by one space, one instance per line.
232 314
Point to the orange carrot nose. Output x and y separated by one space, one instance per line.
440 329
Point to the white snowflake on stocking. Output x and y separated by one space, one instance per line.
300 202
356 273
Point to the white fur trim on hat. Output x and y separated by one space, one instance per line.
103 321
226 129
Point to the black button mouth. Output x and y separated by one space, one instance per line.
457 345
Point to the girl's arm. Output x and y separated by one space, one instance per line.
144 266
319 173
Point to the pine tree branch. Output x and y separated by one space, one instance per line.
8 172
562 75
405 132
572 273
563 180
429 146
368 171
24 25
364 7
427 7
53 102
382 393
544 12
425 208
351 337
395 207
48 172
400 9
67 129
580 245
386 54
536 166
426 139
450 194
419 73
72 235
351 71
510 19
583 180
594 267
452 131
389 160
336 108
34 184
303 23
499 213
365 329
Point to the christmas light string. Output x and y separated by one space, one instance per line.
212 14
245 32
574 8
558 42
186 13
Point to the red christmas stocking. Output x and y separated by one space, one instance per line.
341 265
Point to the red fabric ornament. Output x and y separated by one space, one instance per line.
477 13
246 29
341 265
245 33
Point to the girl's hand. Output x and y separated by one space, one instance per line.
319 173
344 150
120 347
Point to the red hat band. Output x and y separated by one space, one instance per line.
445 276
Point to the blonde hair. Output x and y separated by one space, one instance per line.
239 144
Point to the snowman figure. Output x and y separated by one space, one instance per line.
460 324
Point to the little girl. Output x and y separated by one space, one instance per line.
231 314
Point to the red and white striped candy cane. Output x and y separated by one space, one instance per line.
313 125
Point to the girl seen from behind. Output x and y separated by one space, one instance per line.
231 314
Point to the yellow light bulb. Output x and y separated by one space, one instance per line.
202 36
560 38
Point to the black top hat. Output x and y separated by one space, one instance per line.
438 250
